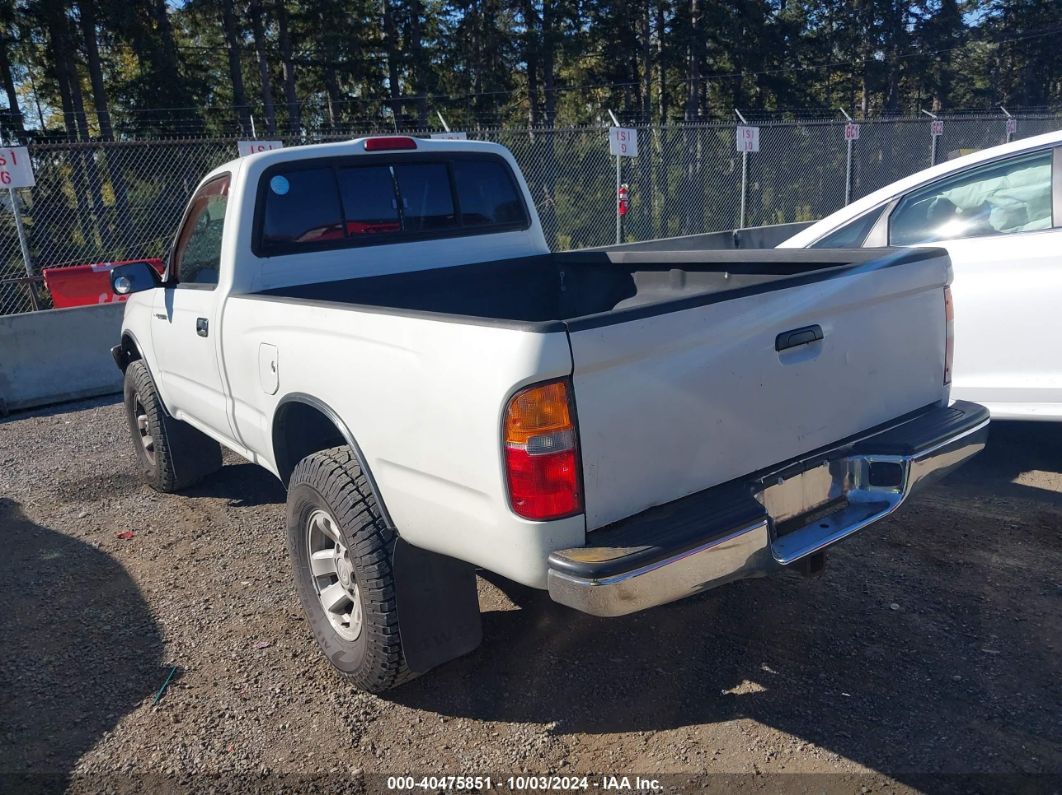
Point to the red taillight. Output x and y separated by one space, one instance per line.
949 340
389 142
541 453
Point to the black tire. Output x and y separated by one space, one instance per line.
171 455
332 481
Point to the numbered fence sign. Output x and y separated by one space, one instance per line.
936 127
622 142
254 147
851 132
748 139
16 170
450 136
1012 125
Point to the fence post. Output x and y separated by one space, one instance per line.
848 175
615 193
744 188
847 161
24 244
744 178
932 137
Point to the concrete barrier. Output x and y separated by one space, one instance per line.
60 354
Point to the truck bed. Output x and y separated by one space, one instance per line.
594 288
689 368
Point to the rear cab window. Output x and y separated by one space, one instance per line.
303 207
328 203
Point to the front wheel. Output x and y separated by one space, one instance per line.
171 454
341 551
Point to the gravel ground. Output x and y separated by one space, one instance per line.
930 646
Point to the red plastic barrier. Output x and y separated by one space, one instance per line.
82 285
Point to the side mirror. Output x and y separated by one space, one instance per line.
133 278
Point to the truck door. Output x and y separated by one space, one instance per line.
184 331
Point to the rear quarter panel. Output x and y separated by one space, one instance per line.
424 400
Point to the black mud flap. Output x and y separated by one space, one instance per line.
438 607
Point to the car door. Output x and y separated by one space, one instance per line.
184 328
1000 223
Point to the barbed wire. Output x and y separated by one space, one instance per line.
199 128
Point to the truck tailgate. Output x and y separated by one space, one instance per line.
673 400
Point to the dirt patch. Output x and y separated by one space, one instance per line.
931 645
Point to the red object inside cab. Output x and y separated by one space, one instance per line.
83 285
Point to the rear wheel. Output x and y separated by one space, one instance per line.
341 550
171 454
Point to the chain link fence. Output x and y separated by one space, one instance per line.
97 202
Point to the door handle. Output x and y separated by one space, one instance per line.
797 336
202 328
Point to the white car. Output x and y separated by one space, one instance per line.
999 215
380 324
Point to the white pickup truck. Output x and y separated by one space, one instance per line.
381 325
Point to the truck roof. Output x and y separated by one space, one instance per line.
355 146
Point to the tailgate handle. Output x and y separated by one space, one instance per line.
797 336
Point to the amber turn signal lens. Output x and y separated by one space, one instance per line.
542 453
537 411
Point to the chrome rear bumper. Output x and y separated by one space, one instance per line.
752 528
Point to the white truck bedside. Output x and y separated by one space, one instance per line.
381 325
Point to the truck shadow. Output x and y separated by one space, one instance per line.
241 483
931 645
1014 450
79 650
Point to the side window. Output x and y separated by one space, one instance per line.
369 202
197 253
302 207
486 193
852 234
427 202
1001 198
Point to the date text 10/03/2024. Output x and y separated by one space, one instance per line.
523 783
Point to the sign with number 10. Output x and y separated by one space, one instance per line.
748 139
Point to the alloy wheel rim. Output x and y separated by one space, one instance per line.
332 574
147 441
